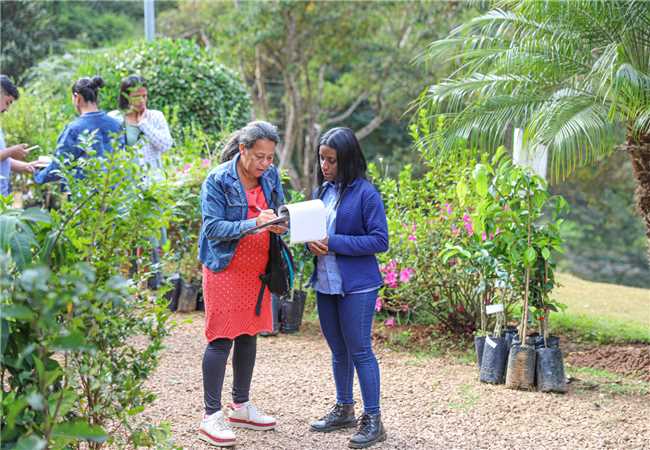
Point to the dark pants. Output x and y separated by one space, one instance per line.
214 370
346 322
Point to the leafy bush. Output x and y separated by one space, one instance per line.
181 76
459 237
79 338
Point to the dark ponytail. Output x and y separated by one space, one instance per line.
231 148
88 88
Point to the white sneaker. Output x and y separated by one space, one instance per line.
247 416
216 430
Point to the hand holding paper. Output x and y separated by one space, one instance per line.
307 221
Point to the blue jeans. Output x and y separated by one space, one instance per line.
346 322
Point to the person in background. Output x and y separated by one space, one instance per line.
145 130
11 158
347 279
237 196
85 92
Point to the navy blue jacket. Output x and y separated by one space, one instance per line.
225 210
107 131
361 232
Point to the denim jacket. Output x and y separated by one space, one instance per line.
224 209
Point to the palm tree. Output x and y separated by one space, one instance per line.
574 74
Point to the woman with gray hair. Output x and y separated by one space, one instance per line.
238 195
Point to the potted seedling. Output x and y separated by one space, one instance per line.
550 375
495 351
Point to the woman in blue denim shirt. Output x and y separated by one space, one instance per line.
347 280
237 195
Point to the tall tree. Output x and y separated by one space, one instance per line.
575 75
313 65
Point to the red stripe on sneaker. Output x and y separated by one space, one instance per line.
250 422
214 438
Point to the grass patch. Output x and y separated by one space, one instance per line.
607 382
602 330
601 312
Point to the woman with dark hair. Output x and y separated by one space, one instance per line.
346 279
144 128
85 92
236 196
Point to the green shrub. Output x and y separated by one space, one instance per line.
79 338
181 76
458 238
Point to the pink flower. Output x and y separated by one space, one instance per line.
454 230
390 322
378 304
498 231
205 163
392 264
467 221
491 236
506 207
186 168
406 274
412 238
483 236
391 279
414 228
448 209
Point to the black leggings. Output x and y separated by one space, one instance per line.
214 369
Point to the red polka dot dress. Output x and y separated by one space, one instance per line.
230 295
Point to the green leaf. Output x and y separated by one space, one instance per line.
74 341
480 176
4 335
36 215
79 429
31 442
18 312
461 191
17 239
546 254
530 256
36 402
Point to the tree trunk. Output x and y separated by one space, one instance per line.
639 151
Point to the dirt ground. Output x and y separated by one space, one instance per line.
427 402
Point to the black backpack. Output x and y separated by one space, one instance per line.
280 269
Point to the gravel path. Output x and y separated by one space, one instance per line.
427 403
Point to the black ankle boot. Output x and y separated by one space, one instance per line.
370 431
340 416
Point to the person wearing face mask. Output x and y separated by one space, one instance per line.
91 120
238 195
145 129
147 132
347 279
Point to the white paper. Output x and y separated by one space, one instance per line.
493 309
490 342
307 221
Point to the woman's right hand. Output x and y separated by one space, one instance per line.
317 248
266 215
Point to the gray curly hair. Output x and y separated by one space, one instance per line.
248 135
